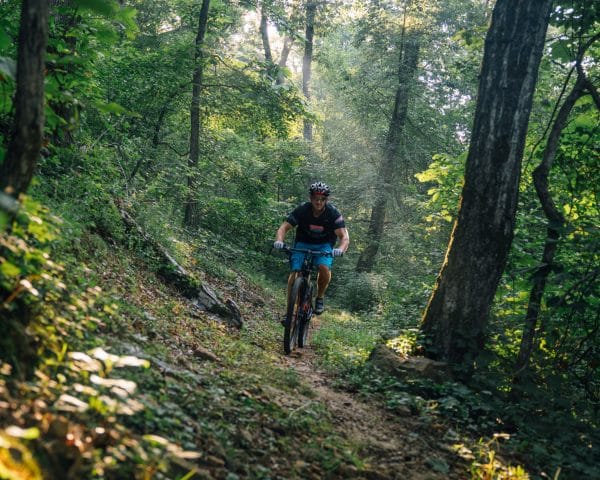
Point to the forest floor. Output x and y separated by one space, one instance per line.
396 447
136 381
215 402
267 415
316 429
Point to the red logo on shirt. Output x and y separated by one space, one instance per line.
316 228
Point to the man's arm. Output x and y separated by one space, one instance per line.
343 238
282 231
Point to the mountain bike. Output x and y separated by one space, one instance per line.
300 301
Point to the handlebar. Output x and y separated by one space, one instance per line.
288 249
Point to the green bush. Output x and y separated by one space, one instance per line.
362 291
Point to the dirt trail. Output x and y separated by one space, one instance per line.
395 447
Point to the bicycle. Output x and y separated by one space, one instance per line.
299 309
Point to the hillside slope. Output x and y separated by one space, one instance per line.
136 382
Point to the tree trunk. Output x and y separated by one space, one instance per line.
24 147
16 342
556 222
191 216
285 53
264 33
407 66
311 10
455 319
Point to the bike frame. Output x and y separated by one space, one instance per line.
304 307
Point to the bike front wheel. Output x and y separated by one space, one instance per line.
292 320
306 309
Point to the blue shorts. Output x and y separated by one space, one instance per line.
296 258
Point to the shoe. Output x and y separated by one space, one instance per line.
319 306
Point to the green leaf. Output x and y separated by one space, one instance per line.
9 270
115 108
127 16
40 230
103 7
25 434
107 35
5 40
561 51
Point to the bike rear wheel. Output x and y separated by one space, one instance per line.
292 320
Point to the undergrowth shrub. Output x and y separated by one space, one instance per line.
360 292
90 194
70 417
27 279
242 222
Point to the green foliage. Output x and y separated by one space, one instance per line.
27 278
9 22
489 465
361 292
346 341
78 39
44 316
92 204
445 175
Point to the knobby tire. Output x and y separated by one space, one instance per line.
290 334
306 309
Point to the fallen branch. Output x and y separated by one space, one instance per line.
201 296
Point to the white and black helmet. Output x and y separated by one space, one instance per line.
319 188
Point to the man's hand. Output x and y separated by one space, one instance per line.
337 252
278 244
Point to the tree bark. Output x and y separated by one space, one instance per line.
264 33
191 216
285 53
407 66
455 319
24 148
311 10
556 222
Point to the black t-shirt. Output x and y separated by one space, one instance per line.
311 229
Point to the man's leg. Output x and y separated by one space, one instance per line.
296 259
323 280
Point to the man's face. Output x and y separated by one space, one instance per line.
318 202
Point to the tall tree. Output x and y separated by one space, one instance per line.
264 32
285 53
311 10
556 220
407 67
287 42
192 214
26 140
455 319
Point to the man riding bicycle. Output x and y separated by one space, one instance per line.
318 226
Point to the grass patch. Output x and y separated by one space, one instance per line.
344 341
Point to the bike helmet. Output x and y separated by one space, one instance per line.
320 188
